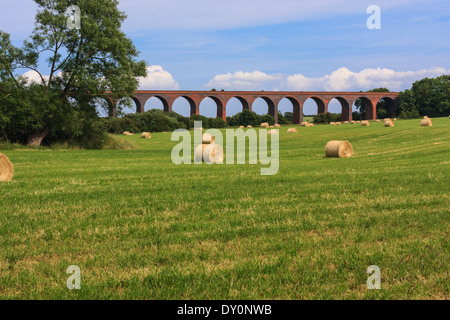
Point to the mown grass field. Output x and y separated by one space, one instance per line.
140 227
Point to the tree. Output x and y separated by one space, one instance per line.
430 97
282 119
81 63
433 96
246 117
327 117
289 116
407 105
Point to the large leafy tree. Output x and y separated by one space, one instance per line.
429 97
80 63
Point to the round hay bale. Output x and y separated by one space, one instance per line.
304 124
311 125
241 127
198 152
332 123
292 130
339 149
338 123
395 119
272 131
346 122
365 123
265 125
207 139
214 153
426 122
126 133
352 122
389 123
6 168
209 153
378 120
249 126
358 122
146 135
425 117
277 125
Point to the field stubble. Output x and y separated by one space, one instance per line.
140 227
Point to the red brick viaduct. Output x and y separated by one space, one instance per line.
272 98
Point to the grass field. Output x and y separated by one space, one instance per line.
140 227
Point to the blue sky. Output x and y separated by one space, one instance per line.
275 45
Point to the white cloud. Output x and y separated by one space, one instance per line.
33 77
157 79
341 79
256 80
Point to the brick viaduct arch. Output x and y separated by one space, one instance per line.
272 98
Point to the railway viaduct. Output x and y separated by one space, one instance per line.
272 98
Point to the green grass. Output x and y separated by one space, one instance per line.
140 227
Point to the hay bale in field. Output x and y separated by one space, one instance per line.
378 120
352 122
126 133
389 123
209 153
358 122
207 139
425 117
198 129
346 122
387 119
365 123
277 125
6 168
311 125
340 149
272 131
198 152
241 127
426 122
395 119
304 124
332 123
265 125
249 126
214 154
338 123
146 135
292 130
